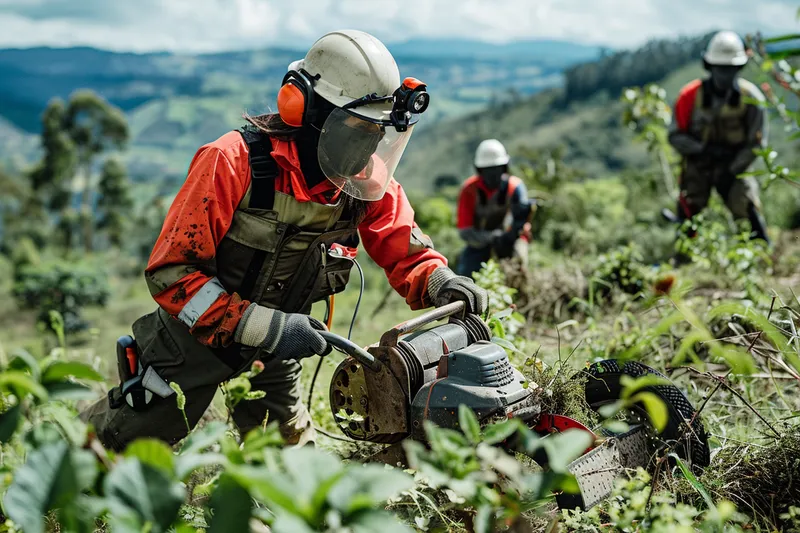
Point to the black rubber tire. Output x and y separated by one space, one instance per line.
690 444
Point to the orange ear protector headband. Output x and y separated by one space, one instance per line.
296 98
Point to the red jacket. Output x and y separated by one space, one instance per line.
218 179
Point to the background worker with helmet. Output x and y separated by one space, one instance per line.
717 126
493 210
258 233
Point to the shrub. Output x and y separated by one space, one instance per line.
63 287
622 268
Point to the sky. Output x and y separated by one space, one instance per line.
218 25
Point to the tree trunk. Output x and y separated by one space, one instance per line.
87 213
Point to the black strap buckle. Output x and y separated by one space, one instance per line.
132 392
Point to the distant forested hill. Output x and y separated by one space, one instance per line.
176 103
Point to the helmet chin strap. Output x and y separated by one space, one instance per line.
307 142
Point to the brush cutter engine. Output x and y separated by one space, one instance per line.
426 375
385 393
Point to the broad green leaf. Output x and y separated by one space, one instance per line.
737 358
308 468
43 434
500 431
500 461
469 423
377 521
22 384
563 448
616 426
231 507
258 439
505 313
482 523
632 385
771 332
694 482
138 494
687 346
23 360
69 391
506 344
44 482
202 438
154 453
656 409
610 410
289 523
272 488
317 504
86 470
59 370
367 487
72 427
185 464
183 527
569 484
9 422
81 515
444 441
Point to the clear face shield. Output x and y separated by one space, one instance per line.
360 156
359 149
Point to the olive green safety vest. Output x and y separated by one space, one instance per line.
725 125
491 211
277 250
276 253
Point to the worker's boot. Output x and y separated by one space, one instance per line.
299 430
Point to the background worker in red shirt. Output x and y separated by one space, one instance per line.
493 210
259 232
716 129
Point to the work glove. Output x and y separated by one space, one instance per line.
285 336
444 287
504 243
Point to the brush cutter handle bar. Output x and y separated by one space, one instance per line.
352 349
391 337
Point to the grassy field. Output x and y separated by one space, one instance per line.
570 321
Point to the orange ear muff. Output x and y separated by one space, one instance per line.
292 105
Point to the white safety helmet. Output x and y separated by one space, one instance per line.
491 153
726 48
362 140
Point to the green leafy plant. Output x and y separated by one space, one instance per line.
493 485
637 506
491 278
63 287
623 268
737 259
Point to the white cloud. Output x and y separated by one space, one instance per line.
210 25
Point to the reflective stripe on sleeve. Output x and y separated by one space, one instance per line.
201 301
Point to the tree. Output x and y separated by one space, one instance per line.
95 126
73 137
115 200
49 178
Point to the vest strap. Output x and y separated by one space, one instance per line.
263 169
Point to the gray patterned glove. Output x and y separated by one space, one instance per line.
444 287
283 335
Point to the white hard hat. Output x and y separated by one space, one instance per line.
491 153
352 64
726 48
